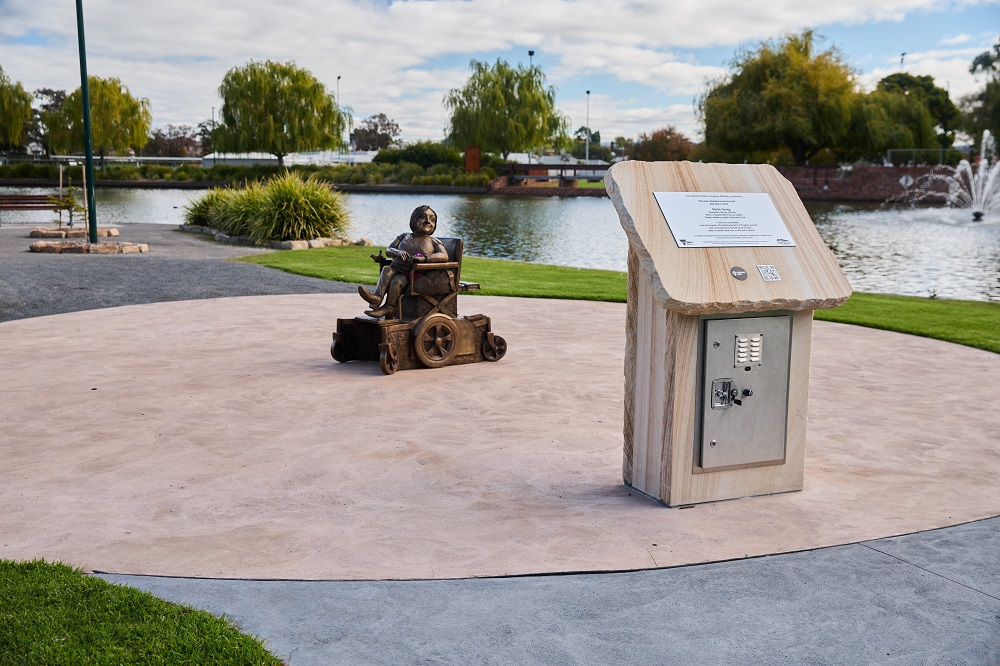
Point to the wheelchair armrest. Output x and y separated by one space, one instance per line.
434 265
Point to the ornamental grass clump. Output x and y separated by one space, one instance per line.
294 208
285 207
239 209
203 211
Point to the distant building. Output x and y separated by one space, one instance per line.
319 158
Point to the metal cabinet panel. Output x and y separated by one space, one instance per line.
744 402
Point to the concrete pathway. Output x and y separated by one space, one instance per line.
931 598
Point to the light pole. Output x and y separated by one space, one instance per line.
586 150
341 112
531 54
88 137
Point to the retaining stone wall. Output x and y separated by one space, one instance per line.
872 183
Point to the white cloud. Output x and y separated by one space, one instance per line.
948 67
401 57
957 39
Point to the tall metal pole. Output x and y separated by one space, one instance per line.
341 112
531 55
88 139
586 154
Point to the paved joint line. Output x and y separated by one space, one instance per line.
933 573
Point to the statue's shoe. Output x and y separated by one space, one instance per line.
380 312
370 297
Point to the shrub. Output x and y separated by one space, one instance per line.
293 208
472 180
441 170
239 208
204 211
119 172
424 153
155 171
185 172
335 174
407 172
29 170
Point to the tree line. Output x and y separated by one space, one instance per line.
784 101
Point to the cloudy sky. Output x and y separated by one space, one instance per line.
643 61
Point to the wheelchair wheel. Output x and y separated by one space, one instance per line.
436 341
494 347
388 361
337 351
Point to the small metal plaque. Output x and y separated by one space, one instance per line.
738 273
723 219
768 272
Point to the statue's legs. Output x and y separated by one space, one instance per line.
384 278
396 286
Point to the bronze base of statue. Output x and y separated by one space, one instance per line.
434 342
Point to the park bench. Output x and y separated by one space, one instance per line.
37 202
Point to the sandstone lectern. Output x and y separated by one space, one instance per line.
725 268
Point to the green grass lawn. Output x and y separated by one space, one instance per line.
497 277
53 614
972 323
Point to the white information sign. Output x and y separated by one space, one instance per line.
723 219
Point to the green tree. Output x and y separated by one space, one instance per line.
206 129
277 108
15 111
942 110
118 120
780 93
504 109
662 145
375 133
173 141
882 120
981 110
50 103
596 150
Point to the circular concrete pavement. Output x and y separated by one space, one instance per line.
217 438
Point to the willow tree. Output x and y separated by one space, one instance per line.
943 112
503 109
15 111
119 122
781 93
882 120
277 108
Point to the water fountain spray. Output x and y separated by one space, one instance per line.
964 186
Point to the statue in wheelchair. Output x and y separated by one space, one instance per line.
414 319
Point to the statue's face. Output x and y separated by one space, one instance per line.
426 223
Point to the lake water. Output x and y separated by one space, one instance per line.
920 252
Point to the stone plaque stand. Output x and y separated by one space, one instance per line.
675 290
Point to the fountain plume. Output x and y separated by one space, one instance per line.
963 186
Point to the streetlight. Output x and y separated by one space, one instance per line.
531 54
88 136
586 153
340 111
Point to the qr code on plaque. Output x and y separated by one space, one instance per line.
769 273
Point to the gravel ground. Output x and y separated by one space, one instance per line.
179 266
